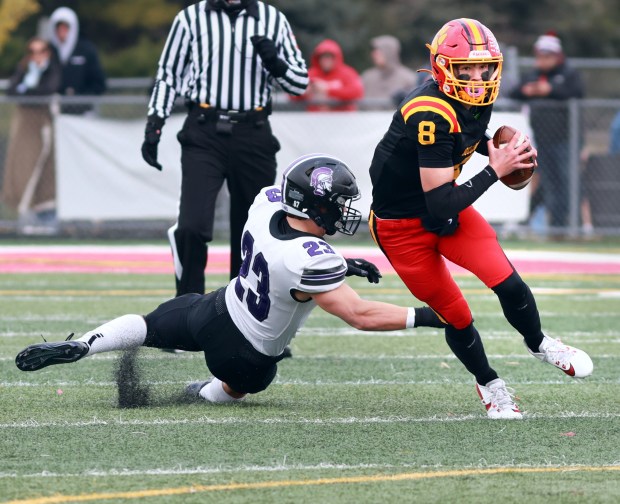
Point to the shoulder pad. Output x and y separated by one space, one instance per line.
434 105
320 268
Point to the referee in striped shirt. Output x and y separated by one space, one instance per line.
224 57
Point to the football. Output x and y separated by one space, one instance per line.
518 179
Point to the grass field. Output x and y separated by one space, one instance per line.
353 417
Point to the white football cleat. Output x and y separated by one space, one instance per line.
571 360
498 400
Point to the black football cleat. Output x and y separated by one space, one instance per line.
45 354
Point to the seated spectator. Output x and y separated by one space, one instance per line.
29 182
82 73
334 85
388 78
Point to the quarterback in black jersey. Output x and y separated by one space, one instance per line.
431 129
419 215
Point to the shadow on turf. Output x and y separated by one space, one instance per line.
133 392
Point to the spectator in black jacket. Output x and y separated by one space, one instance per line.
82 72
546 89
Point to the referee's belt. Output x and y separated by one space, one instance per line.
233 116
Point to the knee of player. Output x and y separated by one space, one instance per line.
231 392
511 289
456 313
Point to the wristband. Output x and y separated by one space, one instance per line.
410 318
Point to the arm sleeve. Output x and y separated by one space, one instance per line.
172 68
447 200
295 80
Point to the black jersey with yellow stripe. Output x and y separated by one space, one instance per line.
431 130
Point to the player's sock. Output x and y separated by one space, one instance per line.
467 346
520 309
426 317
128 331
214 392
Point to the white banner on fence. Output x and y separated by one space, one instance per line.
101 174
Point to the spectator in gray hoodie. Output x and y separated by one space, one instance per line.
82 73
388 78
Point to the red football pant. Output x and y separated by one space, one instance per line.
417 255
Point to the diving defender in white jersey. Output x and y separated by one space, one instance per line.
287 270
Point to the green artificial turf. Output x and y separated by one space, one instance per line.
353 417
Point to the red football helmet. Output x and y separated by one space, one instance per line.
466 41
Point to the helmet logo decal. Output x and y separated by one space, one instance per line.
321 180
440 37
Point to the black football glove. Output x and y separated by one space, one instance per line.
266 49
363 268
152 132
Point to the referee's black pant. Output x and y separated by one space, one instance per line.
243 155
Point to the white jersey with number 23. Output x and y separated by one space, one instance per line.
278 260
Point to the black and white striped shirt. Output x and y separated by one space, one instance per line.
210 59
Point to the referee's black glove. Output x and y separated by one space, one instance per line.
363 268
152 132
266 49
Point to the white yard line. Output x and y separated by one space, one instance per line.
283 467
33 424
95 422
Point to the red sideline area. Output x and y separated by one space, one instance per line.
157 259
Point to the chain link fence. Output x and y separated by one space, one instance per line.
577 183
576 191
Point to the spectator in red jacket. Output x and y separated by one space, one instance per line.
334 85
